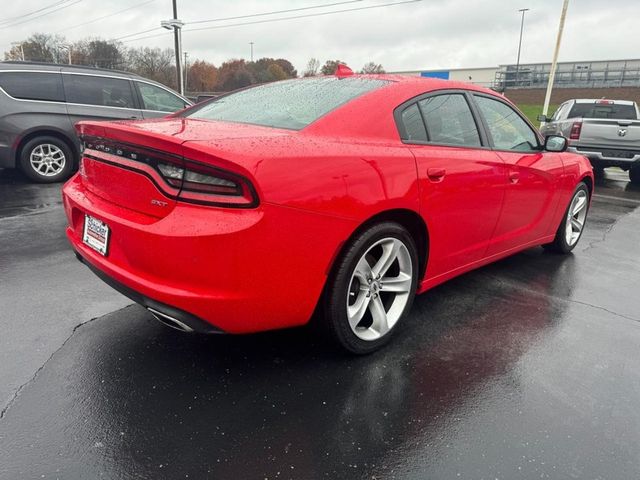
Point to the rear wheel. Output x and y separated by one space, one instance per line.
634 174
372 289
572 225
46 159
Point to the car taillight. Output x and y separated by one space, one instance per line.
576 128
604 102
208 185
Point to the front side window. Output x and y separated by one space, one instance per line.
291 104
101 91
508 130
156 98
33 85
449 120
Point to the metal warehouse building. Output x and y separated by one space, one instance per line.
584 74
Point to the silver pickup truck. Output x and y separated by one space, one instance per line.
605 131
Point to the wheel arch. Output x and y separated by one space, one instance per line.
409 219
47 132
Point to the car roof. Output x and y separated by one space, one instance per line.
60 67
417 83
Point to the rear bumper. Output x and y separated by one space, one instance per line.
240 271
167 314
608 157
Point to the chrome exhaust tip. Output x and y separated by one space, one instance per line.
170 321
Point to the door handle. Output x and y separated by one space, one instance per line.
436 174
514 177
133 117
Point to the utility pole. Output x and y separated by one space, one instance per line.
522 10
186 72
554 62
176 25
251 43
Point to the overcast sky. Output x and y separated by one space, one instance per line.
424 34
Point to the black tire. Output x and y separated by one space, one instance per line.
598 172
634 174
56 171
338 291
560 244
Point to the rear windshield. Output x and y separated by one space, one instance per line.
291 104
599 110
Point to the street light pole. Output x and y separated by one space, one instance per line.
522 10
251 43
554 62
186 72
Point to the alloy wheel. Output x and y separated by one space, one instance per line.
576 217
379 289
47 160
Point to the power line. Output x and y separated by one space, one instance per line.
139 33
105 16
60 7
302 16
273 13
273 19
18 17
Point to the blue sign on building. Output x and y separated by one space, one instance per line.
443 74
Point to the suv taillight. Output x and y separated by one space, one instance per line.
208 185
576 128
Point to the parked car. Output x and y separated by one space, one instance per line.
342 195
606 131
40 103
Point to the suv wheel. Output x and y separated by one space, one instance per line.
372 289
634 174
46 160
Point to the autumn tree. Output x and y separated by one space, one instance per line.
372 67
39 47
234 74
313 65
202 77
330 67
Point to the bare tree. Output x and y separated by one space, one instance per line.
312 68
153 63
39 47
372 67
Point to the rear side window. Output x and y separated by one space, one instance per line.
602 110
156 98
100 91
291 104
449 120
33 85
413 124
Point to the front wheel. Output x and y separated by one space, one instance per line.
46 159
372 288
572 225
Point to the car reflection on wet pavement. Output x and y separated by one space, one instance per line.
523 369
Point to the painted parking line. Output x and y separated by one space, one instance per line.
611 197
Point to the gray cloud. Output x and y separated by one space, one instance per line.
427 34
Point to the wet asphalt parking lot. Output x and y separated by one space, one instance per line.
528 368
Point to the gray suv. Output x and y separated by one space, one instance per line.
40 104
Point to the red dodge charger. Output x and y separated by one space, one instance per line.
343 195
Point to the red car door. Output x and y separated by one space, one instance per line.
462 182
533 176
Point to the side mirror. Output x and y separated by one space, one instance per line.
555 143
543 118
